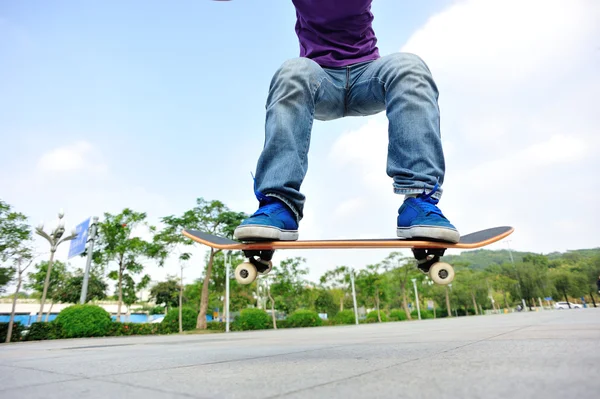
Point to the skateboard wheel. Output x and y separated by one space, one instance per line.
269 265
441 273
245 273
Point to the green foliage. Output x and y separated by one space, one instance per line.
288 287
425 314
251 319
304 318
16 332
397 315
324 303
215 325
188 319
83 321
121 329
345 316
69 291
372 317
166 293
15 233
43 331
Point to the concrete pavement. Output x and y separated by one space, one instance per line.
546 354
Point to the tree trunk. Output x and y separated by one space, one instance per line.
272 307
448 303
342 302
405 302
505 300
46 284
566 298
12 312
181 303
377 305
201 322
474 303
120 300
49 311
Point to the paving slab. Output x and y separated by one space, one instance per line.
545 354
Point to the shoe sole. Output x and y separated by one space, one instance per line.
429 232
258 232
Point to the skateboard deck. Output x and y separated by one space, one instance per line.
474 240
426 252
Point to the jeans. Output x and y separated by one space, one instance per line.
301 91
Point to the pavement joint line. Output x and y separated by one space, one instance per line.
83 378
394 365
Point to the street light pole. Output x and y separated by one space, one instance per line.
86 275
55 238
414 280
354 296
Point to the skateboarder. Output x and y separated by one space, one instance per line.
340 73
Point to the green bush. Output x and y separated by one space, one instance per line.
397 315
344 317
215 325
43 330
189 318
372 316
16 332
252 319
425 314
78 321
120 329
304 318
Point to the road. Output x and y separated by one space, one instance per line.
545 354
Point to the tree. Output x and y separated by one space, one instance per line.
401 269
116 244
70 290
212 217
288 284
372 285
166 292
337 281
14 234
58 276
23 259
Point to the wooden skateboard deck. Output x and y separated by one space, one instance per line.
470 241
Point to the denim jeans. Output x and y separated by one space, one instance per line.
301 91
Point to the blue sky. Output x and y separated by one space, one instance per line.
149 105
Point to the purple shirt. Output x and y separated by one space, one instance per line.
336 33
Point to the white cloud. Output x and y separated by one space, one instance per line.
79 156
517 83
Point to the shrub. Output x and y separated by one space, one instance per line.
43 330
304 318
398 315
83 321
372 316
425 314
252 319
16 332
215 325
344 317
189 318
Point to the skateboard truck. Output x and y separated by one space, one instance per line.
428 261
261 259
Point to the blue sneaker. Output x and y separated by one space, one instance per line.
273 221
419 217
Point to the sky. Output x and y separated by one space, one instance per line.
150 105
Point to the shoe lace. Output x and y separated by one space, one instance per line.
267 205
429 204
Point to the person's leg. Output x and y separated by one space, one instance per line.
300 91
402 85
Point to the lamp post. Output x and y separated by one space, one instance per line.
414 280
55 238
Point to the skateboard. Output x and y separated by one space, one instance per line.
426 252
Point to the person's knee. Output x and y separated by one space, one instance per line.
297 69
410 62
